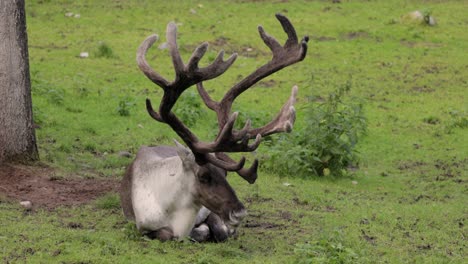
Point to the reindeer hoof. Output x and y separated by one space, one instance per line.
162 234
200 233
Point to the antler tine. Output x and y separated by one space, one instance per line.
218 66
155 115
228 142
283 122
192 65
228 165
289 29
210 103
144 66
171 37
250 174
283 56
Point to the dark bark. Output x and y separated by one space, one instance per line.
17 135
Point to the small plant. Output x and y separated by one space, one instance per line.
39 117
432 120
326 144
124 107
189 109
326 250
104 51
458 119
427 16
109 201
131 232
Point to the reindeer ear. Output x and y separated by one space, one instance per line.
185 155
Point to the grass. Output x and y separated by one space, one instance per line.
405 204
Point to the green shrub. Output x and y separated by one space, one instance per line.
326 143
257 118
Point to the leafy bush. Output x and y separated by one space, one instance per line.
326 143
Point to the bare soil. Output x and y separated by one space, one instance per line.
44 189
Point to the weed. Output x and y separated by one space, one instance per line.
432 120
108 201
124 107
104 51
189 108
64 148
326 250
327 142
90 146
131 232
38 116
427 16
458 119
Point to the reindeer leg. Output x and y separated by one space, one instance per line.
200 233
219 230
162 234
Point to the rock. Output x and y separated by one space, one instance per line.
418 17
415 16
125 154
163 46
26 205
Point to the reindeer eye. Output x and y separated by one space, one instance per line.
205 178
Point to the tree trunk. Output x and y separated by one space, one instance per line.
17 136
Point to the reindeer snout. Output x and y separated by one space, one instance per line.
235 217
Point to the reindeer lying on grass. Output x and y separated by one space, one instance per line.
174 192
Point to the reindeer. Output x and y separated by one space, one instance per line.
173 192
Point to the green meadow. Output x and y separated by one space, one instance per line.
404 203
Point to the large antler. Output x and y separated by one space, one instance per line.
228 139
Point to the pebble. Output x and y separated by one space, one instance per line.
26 204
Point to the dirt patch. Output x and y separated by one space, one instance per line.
355 35
45 190
413 44
267 83
262 225
323 38
423 89
405 165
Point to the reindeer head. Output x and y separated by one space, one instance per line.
211 157
211 188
